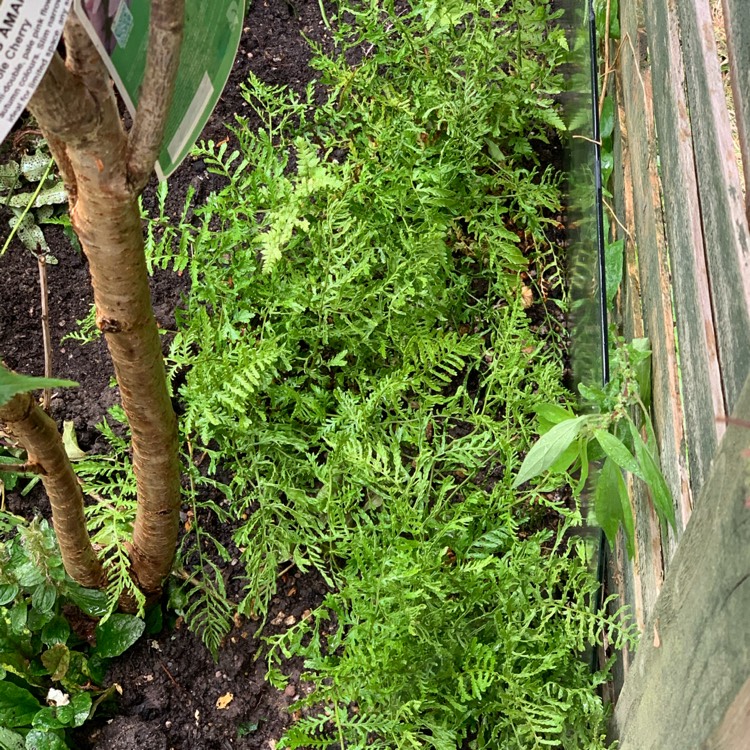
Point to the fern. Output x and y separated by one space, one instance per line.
87 329
360 371
204 605
438 357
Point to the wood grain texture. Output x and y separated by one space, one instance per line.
734 730
639 580
722 203
737 22
688 683
620 573
636 90
703 400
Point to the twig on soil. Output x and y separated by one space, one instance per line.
169 674
46 338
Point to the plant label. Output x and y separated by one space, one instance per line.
29 32
119 30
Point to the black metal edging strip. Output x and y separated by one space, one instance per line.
599 198
600 241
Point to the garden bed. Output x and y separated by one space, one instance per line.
363 327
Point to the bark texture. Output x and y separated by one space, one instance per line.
105 169
37 433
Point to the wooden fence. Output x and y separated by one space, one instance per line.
679 195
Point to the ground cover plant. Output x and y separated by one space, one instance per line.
49 675
359 352
374 323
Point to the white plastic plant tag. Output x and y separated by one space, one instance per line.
29 33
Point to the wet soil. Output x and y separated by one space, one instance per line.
174 696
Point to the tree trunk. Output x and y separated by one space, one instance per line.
105 170
38 434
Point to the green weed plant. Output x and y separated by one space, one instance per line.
49 672
609 435
34 195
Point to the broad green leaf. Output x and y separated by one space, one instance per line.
549 448
154 619
65 715
593 394
40 739
10 740
660 494
57 661
90 601
33 166
639 353
12 383
628 522
18 616
618 452
607 506
7 481
607 119
614 20
118 634
50 196
584 467
8 592
551 414
57 630
81 705
43 597
14 662
568 457
97 667
494 150
614 255
9 174
28 574
70 442
47 719
37 619
17 706
78 673
31 235
608 164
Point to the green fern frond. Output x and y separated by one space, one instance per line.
205 606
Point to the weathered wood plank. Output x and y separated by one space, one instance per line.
737 22
703 400
722 205
641 579
621 579
635 87
688 683
734 731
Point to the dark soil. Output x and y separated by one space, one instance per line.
175 696
170 683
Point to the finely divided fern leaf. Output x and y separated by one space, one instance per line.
206 609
